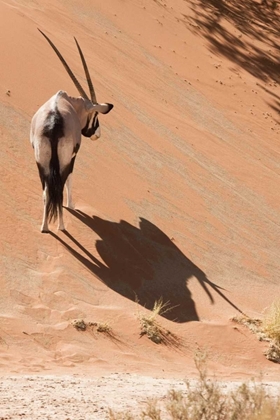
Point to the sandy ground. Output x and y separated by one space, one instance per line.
179 199
77 397
74 397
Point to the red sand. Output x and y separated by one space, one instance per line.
179 198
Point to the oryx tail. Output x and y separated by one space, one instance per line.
55 134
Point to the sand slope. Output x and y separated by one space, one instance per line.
179 198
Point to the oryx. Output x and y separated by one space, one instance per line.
55 135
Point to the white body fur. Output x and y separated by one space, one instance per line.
55 135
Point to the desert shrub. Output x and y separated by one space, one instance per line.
207 400
271 322
150 326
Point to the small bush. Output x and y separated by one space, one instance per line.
150 326
207 401
102 327
271 322
267 329
79 324
120 416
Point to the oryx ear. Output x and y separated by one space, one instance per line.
102 108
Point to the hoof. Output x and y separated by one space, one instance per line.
45 230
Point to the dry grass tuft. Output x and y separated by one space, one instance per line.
120 416
271 327
273 353
79 324
208 401
271 322
151 327
254 324
102 327
267 329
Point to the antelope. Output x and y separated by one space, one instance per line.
55 136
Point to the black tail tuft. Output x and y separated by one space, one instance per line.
55 192
54 130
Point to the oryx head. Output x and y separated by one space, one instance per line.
91 128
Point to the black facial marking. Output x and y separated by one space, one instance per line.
91 126
110 106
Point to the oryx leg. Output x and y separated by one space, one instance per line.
60 220
69 202
45 227
60 211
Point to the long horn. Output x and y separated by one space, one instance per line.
67 68
90 85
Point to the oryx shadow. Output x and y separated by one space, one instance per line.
144 265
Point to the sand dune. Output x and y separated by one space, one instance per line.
179 198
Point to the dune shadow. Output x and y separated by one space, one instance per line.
143 265
246 33
274 103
